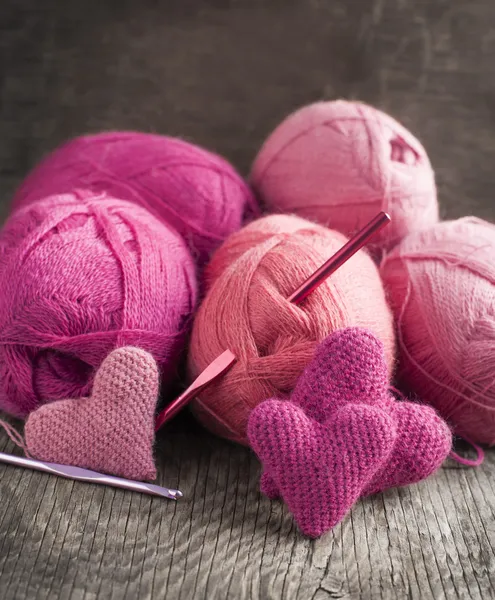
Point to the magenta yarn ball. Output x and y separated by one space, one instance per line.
185 186
79 277
339 163
441 285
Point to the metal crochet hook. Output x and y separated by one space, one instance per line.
227 359
80 474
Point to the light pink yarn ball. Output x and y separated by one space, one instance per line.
441 284
247 311
339 163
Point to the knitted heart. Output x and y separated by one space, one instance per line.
350 366
320 469
112 431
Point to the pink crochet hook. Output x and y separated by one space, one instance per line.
340 257
225 361
213 371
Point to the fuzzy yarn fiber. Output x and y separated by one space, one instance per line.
441 284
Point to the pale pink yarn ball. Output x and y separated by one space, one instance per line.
339 163
246 310
441 284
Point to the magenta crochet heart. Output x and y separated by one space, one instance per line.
349 366
112 431
423 442
320 469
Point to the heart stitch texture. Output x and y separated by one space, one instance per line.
350 366
320 468
112 431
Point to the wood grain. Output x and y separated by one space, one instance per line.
223 73
62 539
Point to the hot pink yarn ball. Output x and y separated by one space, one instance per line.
80 276
441 283
339 163
192 189
246 310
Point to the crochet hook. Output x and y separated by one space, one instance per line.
340 257
225 361
80 474
212 372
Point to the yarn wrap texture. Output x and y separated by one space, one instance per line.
185 186
339 163
441 286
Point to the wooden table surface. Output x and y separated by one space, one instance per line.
223 73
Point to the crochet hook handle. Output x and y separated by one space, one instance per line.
340 257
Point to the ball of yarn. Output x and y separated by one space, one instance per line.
79 277
339 163
192 189
246 310
441 284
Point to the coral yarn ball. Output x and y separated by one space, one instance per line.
79 277
441 284
247 311
195 191
339 163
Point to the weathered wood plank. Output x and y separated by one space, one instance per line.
223 540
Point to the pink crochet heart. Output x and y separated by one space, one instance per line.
320 469
112 431
350 367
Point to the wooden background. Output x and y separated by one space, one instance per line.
223 73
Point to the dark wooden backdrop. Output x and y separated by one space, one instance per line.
223 73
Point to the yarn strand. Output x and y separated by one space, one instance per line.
15 437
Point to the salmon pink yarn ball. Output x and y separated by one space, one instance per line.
195 191
247 311
441 283
79 277
340 163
